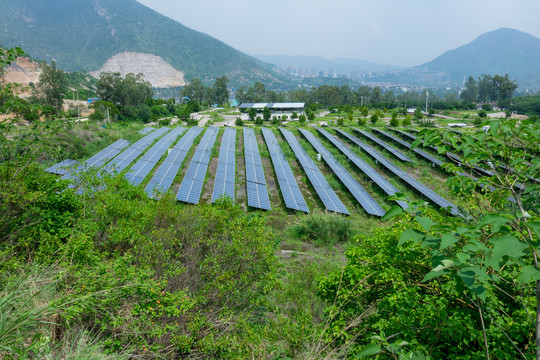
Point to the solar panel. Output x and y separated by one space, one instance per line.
146 130
149 160
387 147
257 192
225 174
192 184
422 153
324 190
427 192
360 194
287 183
122 161
95 161
388 188
62 167
164 176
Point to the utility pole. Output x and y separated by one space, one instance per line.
427 99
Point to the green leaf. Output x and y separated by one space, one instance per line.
495 220
393 212
433 274
447 240
494 126
368 350
534 226
426 223
507 245
528 273
411 234
463 257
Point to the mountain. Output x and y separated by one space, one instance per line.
338 65
502 51
85 34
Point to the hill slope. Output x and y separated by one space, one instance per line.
502 51
339 65
84 34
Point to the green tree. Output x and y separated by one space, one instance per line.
51 87
238 122
221 94
252 113
482 114
364 111
374 118
394 121
470 93
406 121
362 121
195 90
418 115
302 119
130 90
267 114
259 121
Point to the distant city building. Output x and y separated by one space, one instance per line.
275 108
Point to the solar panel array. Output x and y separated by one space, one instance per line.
287 183
427 192
388 188
401 156
257 193
62 167
164 176
422 153
324 190
95 161
226 169
122 161
146 130
191 187
360 194
149 160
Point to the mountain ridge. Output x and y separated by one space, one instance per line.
83 35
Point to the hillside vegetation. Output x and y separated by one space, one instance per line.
83 35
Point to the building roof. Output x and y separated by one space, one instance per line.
272 106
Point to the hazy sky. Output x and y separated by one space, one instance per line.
397 32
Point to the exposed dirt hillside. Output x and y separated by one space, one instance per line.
155 69
24 72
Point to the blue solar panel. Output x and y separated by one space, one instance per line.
146 130
388 188
427 192
191 187
226 169
95 161
164 176
122 161
405 144
287 183
387 147
149 160
360 194
62 167
327 195
257 193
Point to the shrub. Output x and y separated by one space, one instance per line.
238 122
362 122
324 229
259 121
302 119
294 115
374 118
406 121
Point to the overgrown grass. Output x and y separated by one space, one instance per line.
323 229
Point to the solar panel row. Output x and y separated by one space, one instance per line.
430 194
324 190
146 130
62 167
226 169
191 187
405 144
359 193
164 176
149 160
122 161
95 161
287 183
257 193
388 188
387 147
